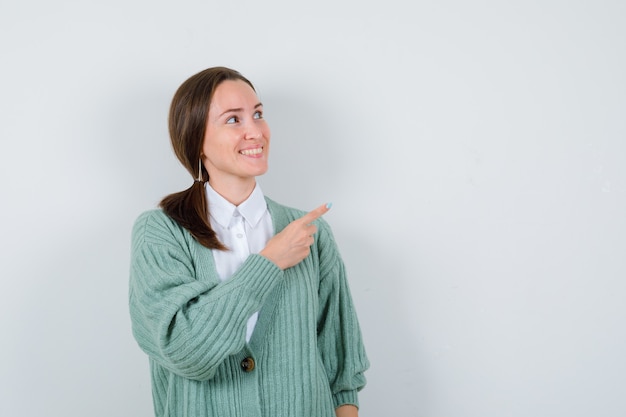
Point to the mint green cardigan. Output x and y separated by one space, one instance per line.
307 352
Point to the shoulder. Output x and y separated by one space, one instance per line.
155 226
282 215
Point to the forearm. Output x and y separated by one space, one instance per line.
347 411
179 320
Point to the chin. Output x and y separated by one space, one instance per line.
259 171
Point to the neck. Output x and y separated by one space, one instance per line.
235 192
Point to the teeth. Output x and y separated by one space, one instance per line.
251 151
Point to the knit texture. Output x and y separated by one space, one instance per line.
307 347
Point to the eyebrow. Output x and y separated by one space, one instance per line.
239 109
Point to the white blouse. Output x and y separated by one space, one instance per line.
243 229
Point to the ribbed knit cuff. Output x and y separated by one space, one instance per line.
346 397
260 273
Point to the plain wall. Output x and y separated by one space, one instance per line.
475 153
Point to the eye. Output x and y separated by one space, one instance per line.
258 114
233 119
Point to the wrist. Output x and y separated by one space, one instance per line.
347 410
270 258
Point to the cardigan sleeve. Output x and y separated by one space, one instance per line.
187 325
339 336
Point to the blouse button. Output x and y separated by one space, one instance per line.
247 364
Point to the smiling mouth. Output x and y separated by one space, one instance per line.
249 152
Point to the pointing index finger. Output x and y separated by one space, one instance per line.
316 213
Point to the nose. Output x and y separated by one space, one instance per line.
253 131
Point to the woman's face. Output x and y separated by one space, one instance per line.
237 138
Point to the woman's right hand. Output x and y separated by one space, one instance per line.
293 243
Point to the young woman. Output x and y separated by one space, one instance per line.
241 304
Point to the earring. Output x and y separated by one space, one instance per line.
199 170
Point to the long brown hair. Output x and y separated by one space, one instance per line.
187 125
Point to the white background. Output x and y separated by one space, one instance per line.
475 153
